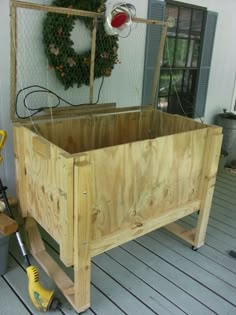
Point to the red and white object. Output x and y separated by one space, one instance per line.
119 18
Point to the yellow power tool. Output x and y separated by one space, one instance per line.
42 299
3 138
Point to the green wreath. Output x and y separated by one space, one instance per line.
70 67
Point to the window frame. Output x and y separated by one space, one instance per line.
185 68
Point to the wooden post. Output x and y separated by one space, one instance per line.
66 181
92 63
82 237
13 78
213 147
158 64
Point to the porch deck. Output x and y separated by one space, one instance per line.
155 274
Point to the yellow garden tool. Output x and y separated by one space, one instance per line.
42 299
3 138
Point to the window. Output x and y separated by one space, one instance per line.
181 60
187 57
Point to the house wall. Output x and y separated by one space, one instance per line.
223 68
221 92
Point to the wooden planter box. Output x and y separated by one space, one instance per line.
96 182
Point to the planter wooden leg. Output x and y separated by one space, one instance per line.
82 224
208 184
37 248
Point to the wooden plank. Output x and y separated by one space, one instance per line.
210 166
92 62
156 22
9 301
59 10
135 285
66 182
13 32
19 154
186 235
7 225
158 65
122 236
63 10
86 112
82 238
187 276
82 109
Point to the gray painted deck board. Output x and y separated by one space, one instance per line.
143 291
189 277
156 274
9 303
147 267
215 269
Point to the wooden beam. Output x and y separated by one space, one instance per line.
7 225
155 22
13 78
82 229
87 112
37 248
186 235
92 62
54 9
210 167
62 10
158 65
66 162
141 228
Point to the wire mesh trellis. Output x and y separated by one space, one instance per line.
115 78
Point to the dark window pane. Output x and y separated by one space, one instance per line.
172 11
176 82
196 51
196 24
193 53
186 81
181 52
168 58
164 83
184 22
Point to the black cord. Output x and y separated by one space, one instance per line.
41 89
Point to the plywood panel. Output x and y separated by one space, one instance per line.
137 180
44 195
169 124
100 131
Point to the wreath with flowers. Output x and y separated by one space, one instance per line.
72 68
